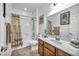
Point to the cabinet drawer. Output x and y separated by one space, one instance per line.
47 52
61 53
50 47
40 41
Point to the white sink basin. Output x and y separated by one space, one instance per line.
54 40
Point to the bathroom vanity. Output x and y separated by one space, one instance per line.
50 47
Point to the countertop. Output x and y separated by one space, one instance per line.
65 46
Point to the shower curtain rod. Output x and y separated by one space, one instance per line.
23 15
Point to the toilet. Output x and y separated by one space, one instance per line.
34 45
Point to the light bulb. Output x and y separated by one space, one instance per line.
25 9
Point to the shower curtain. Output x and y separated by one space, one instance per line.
26 29
16 31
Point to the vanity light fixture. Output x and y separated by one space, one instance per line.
53 5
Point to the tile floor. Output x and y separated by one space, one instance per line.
27 51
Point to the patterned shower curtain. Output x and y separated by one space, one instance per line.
16 38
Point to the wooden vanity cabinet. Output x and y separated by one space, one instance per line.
40 47
49 50
45 49
61 53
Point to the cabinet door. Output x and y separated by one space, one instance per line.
50 47
40 49
47 52
40 41
61 53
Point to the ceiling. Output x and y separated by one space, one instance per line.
31 7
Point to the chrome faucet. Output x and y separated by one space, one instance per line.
71 34
58 38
